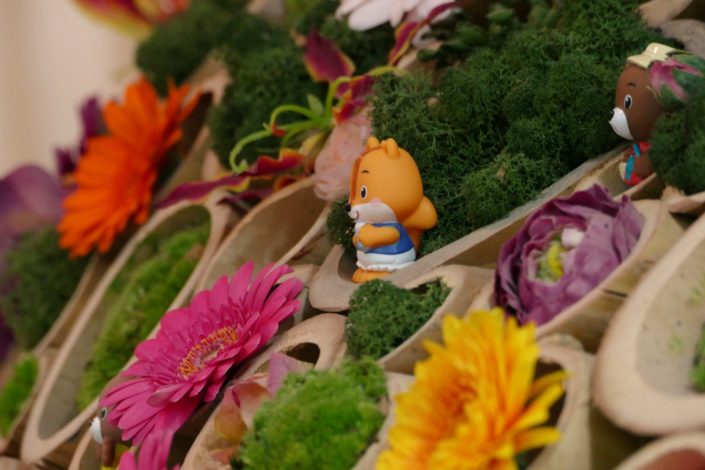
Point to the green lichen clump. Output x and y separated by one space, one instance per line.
137 299
38 282
322 420
697 374
678 146
177 47
341 227
16 391
515 116
267 70
383 316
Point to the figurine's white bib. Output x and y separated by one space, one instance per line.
386 263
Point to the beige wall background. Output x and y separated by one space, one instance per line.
51 57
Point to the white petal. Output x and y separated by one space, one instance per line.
347 6
372 14
396 12
571 237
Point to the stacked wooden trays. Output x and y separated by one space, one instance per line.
54 422
642 381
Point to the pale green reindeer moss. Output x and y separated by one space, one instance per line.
697 374
322 419
136 301
38 282
383 316
16 390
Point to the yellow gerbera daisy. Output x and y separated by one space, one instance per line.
475 403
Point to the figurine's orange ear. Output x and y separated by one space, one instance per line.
372 143
390 145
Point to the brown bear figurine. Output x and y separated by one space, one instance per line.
636 111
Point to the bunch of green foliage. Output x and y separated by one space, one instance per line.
317 420
678 146
383 316
498 128
16 391
341 227
38 282
697 373
267 70
136 300
177 47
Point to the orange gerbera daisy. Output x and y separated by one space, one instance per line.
115 176
474 404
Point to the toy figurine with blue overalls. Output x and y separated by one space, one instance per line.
389 208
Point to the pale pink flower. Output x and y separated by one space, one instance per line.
189 359
335 161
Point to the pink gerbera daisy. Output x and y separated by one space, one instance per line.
153 454
196 347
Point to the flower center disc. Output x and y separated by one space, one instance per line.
205 350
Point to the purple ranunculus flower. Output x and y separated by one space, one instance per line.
92 126
563 251
30 198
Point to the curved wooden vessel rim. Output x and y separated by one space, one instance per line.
454 276
44 364
661 447
617 385
33 446
245 222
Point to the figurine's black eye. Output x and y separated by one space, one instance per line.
103 413
363 192
628 101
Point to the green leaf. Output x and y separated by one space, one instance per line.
315 104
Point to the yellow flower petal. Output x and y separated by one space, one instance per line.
475 403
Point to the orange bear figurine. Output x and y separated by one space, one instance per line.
389 208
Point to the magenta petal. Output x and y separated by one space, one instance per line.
176 414
240 282
195 191
324 61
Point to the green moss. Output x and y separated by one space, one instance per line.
136 301
341 227
367 49
515 116
508 182
697 374
177 47
383 316
38 282
323 420
16 391
267 70
678 146
609 29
